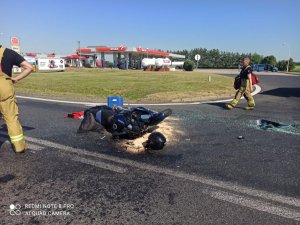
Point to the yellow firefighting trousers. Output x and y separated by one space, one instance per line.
10 113
244 90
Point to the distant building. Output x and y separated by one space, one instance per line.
123 57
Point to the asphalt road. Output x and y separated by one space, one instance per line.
206 175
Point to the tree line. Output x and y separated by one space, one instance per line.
215 58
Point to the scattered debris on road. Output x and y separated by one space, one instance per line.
278 127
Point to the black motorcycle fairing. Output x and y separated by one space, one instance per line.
95 109
124 122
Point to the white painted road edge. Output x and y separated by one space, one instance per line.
257 90
256 204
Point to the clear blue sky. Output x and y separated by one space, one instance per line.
238 26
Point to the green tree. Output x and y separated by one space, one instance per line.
282 65
291 64
269 60
256 58
215 58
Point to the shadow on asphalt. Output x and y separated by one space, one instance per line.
4 128
219 104
283 92
4 137
222 105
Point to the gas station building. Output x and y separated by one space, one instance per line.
123 57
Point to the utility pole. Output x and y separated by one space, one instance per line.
288 62
0 38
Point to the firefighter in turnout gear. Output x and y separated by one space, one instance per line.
245 87
8 103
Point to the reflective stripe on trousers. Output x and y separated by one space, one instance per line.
17 138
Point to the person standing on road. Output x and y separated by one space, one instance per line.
246 87
8 102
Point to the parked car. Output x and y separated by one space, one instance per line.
263 67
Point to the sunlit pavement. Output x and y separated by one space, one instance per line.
205 175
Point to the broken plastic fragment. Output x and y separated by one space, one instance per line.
267 124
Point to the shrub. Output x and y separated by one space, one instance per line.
188 65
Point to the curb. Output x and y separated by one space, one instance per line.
257 90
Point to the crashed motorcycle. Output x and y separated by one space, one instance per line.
126 122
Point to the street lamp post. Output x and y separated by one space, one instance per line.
79 53
0 38
288 62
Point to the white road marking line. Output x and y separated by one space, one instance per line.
35 147
170 172
55 100
107 166
99 164
245 201
257 90
255 204
90 104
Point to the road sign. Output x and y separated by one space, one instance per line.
197 57
15 44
